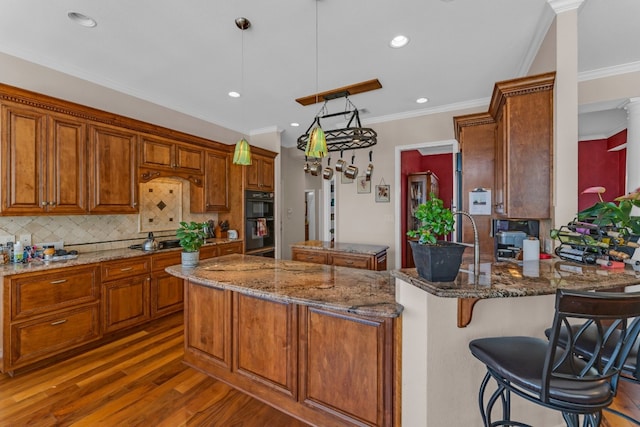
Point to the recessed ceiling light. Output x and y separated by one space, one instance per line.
422 100
84 20
295 125
234 94
399 41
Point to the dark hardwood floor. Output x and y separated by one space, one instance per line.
140 380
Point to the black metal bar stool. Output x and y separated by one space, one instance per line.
586 341
556 375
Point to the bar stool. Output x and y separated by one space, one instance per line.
557 376
586 341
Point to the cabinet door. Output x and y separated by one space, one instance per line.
67 174
357 351
267 174
156 153
189 158
167 294
208 327
125 303
216 181
266 337
23 160
112 165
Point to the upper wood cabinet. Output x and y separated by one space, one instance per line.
43 162
260 174
523 111
162 153
113 186
213 196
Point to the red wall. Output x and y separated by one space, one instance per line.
412 161
598 167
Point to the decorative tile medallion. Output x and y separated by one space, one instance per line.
160 205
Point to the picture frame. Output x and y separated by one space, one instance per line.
364 185
383 193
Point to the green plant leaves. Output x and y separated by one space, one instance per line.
191 235
436 221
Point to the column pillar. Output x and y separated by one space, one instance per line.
633 144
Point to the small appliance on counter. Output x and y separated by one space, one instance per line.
509 236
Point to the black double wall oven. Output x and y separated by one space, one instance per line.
259 223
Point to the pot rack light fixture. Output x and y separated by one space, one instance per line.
351 137
242 152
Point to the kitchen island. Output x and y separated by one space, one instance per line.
315 341
440 377
354 255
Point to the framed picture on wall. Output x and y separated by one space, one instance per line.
382 194
364 185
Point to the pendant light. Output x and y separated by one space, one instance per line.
317 142
242 152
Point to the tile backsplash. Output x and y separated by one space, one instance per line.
88 233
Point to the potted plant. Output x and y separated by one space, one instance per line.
608 214
436 260
191 237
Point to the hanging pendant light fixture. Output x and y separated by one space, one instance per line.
242 152
316 143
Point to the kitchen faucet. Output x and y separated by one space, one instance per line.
475 245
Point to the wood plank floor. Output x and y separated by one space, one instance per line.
140 380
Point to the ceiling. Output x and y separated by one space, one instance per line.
186 56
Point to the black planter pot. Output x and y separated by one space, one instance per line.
437 263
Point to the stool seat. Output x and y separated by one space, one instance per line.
575 371
520 361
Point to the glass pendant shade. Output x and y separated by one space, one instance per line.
242 153
317 145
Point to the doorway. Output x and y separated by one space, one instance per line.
446 152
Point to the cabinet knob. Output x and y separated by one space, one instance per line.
44 203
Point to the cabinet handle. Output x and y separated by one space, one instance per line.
59 322
349 262
126 269
57 282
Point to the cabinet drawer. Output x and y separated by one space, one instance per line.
208 251
162 261
230 248
309 256
352 261
113 270
43 293
47 336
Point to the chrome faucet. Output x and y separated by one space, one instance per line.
475 245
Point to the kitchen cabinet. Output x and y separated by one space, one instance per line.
160 153
113 187
334 256
523 111
213 196
476 134
229 248
289 355
167 291
48 313
43 162
125 293
259 175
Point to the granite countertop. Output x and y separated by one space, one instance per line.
91 258
510 279
354 248
363 292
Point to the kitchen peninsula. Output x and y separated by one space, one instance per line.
440 378
316 341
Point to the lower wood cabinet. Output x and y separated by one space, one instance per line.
167 291
324 367
48 313
125 293
376 262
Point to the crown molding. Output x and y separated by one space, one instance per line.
615 70
561 6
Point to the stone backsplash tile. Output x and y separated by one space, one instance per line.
88 233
